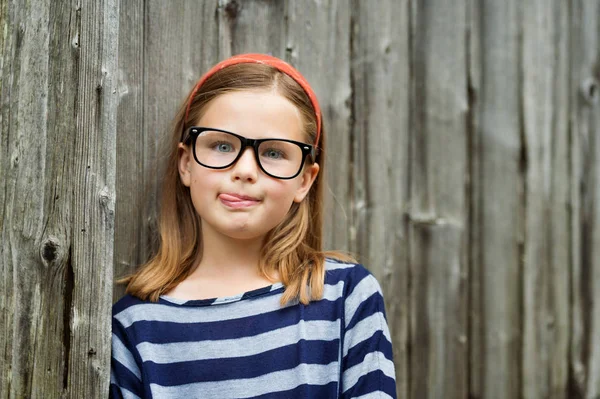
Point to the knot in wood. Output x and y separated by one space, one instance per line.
589 90
107 206
51 251
232 9
105 198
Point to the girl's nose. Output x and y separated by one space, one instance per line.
246 167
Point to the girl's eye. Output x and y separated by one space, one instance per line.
223 146
272 153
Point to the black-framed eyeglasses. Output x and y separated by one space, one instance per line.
219 149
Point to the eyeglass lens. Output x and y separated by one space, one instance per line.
219 149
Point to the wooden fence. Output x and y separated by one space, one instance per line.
463 167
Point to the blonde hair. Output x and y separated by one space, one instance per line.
293 248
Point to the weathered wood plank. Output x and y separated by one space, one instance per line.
497 186
545 282
94 200
438 367
38 122
129 249
25 92
476 316
380 67
6 283
58 129
438 210
560 289
50 370
585 215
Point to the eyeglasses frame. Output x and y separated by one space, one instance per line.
195 131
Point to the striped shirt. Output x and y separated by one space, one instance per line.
248 346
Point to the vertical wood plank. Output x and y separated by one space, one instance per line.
129 250
39 91
25 91
438 212
497 191
545 282
6 286
559 295
58 129
380 74
94 200
50 370
475 308
585 122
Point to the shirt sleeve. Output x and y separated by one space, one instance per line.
125 374
367 360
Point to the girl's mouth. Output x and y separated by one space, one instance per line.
237 201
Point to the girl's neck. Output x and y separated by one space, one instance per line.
228 267
223 256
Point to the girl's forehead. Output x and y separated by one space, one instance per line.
254 114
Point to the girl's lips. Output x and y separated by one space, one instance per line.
237 201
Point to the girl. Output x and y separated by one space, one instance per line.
240 301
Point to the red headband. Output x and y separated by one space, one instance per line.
267 60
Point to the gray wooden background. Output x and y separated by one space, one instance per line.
463 166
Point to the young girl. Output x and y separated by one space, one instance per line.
240 301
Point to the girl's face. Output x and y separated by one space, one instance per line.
241 201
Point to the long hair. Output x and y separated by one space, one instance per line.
293 248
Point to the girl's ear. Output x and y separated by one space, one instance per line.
309 174
185 159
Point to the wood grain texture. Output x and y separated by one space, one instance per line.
25 91
476 316
560 292
380 71
94 200
58 129
497 186
131 175
438 205
585 269
545 152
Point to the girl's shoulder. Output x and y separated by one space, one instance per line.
355 276
124 308
126 301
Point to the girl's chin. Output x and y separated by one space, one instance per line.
242 231
241 226
245 235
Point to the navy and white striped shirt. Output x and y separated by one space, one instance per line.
248 346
